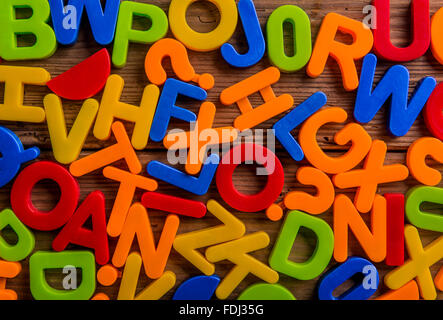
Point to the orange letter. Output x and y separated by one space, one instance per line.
436 36
137 223
416 159
372 174
361 142
200 138
128 183
305 202
345 214
344 54
121 150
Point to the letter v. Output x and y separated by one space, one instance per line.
67 148
394 85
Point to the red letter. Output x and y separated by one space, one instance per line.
73 231
421 29
21 196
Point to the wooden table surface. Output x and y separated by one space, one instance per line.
204 16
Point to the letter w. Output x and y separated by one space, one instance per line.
394 85
102 23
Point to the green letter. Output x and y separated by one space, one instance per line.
124 32
26 240
323 252
41 261
301 27
10 27
421 219
266 291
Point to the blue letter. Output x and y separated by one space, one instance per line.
395 84
254 36
102 23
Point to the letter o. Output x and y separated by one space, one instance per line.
261 200
198 41
21 196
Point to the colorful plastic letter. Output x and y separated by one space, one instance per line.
418 151
272 167
42 261
13 155
200 138
67 147
74 232
128 184
266 291
188 243
421 32
131 273
121 150
85 79
8 270
198 41
7 295
344 54
166 108
418 264
260 82
198 186
45 41
419 218
293 119
22 204
335 277
439 280
347 217
125 34
137 224
432 112
436 43
178 55
197 288
301 29
254 36
321 202
15 79
102 22
374 172
394 85
236 252
395 237
175 205
317 263
111 108
408 292
26 240
361 142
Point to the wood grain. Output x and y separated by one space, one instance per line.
204 17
